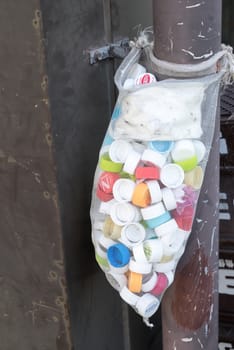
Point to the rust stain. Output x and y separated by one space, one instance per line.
44 83
36 22
193 293
49 139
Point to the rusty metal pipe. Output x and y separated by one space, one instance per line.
189 32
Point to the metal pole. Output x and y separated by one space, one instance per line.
189 32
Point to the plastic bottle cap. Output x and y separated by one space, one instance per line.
103 196
102 262
162 219
188 164
153 157
153 211
162 284
172 175
194 178
123 213
133 233
106 181
118 270
155 191
132 162
147 172
139 254
161 146
147 305
129 297
106 164
106 242
153 249
185 220
145 78
173 242
150 284
169 227
139 267
134 282
200 150
183 149
141 195
119 151
165 267
168 198
110 229
100 251
105 207
117 281
118 255
123 190
150 234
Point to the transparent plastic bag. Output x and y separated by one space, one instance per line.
148 178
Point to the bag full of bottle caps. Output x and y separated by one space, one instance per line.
148 178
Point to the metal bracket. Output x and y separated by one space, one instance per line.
120 49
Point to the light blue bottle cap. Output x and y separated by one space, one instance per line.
161 146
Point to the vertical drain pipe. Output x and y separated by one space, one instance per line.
189 32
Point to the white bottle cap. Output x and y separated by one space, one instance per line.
149 285
164 229
123 213
170 277
173 244
138 146
132 162
147 305
123 190
119 270
100 251
168 198
183 149
139 267
165 267
96 234
172 175
153 249
153 157
133 233
200 150
119 151
154 190
139 254
105 207
106 242
153 211
129 297
117 281
129 84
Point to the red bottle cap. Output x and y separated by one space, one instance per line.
106 181
148 172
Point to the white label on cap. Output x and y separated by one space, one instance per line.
128 296
123 190
153 157
147 305
150 284
183 149
172 175
117 281
139 267
119 151
164 229
153 211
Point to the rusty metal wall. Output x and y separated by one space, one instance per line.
33 312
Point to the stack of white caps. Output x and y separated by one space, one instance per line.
155 191
153 211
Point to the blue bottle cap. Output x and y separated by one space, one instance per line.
118 255
161 146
